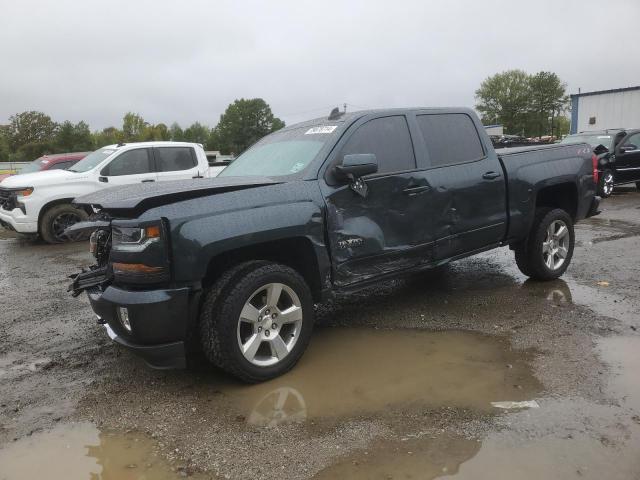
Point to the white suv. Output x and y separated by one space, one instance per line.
40 203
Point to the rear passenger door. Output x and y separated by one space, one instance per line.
468 200
374 234
176 163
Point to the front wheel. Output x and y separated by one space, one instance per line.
605 185
547 252
57 219
258 324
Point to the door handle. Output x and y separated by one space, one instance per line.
412 191
491 175
103 179
148 180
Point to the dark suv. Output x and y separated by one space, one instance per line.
618 161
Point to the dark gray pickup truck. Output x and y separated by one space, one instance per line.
232 266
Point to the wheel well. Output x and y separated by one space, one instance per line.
564 196
52 203
297 253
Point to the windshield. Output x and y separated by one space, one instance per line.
92 160
34 166
285 152
594 140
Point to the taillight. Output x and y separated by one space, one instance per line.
594 161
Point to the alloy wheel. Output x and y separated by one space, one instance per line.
607 186
270 324
555 247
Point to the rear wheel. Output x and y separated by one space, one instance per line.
547 252
605 185
257 325
57 219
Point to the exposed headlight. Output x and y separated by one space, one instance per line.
134 239
139 252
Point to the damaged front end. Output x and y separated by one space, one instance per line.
99 275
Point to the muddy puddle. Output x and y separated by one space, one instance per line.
578 453
351 372
79 451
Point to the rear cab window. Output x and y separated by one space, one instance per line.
450 138
171 159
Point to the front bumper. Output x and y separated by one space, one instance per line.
17 221
159 322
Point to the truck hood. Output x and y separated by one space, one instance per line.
37 179
132 200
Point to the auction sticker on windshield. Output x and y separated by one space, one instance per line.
323 129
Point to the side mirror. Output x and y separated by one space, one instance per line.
357 165
600 149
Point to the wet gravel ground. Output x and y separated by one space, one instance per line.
572 345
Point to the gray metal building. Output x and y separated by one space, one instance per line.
617 108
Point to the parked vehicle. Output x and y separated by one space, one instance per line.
40 202
58 161
618 152
234 265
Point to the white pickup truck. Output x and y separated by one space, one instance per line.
40 203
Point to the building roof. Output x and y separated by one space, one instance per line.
602 92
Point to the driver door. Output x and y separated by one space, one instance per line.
374 234
628 159
131 166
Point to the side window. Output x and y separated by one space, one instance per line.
171 159
633 141
450 138
131 162
62 165
388 138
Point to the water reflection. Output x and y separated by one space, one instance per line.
79 451
349 372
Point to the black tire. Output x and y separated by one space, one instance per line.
220 317
638 185
54 220
529 255
605 184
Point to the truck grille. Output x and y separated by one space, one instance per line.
7 199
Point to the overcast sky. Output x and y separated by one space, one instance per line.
186 61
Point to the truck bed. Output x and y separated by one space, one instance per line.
531 169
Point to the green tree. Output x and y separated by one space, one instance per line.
107 136
176 133
155 133
30 128
73 138
133 127
505 98
524 104
548 100
243 123
196 133
5 148
561 126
